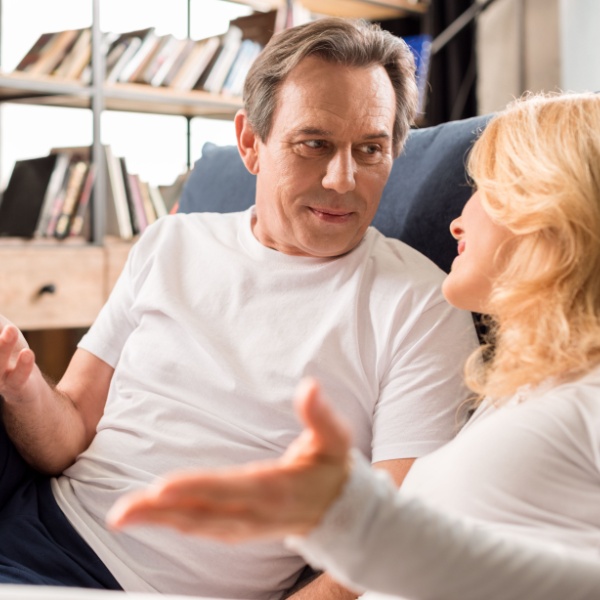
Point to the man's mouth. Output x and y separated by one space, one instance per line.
330 215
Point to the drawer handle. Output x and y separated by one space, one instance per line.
49 288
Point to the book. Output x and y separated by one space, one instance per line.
137 202
118 218
24 195
169 71
52 190
177 52
80 218
57 202
420 46
119 58
196 63
78 57
232 40
137 223
166 47
54 52
35 52
157 201
234 83
71 198
105 44
147 202
149 41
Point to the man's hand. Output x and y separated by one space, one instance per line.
50 425
16 362
262 499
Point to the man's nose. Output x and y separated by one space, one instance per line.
340 175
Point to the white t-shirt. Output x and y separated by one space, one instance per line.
530 467
507 510
209 333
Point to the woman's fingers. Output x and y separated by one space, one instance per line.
261 499
330 434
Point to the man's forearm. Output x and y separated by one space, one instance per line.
323 587
44 425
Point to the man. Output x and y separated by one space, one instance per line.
194 359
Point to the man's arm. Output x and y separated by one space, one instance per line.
50 425
324 586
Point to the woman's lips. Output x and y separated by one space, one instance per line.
461 247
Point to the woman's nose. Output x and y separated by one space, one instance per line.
456 228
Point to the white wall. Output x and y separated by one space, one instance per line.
561 49
580 45
518 49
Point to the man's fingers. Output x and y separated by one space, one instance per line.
15 366
8 339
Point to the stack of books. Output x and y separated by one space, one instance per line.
51 197
217 64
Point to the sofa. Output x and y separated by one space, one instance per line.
427 187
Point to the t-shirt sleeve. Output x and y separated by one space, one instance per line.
116 320
374 538
422 391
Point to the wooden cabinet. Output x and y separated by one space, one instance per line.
49 286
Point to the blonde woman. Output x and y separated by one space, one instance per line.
509 508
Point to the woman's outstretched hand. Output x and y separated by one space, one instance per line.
263 499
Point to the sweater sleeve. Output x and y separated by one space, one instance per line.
374 538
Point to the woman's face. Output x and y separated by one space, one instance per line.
479 262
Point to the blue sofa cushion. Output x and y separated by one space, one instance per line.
426 190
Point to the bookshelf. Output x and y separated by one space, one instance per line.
365 9
52 285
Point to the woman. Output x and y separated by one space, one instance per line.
509 508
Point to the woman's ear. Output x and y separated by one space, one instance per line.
247 142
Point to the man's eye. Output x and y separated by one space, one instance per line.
370 149
315 144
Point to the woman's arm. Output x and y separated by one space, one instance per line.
359 528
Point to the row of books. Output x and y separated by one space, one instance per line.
217 64
51 197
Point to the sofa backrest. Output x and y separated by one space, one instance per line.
426 189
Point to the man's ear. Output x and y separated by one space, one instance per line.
247 141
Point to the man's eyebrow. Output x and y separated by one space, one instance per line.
317 132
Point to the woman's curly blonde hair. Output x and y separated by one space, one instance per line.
537 168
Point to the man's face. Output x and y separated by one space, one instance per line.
321 172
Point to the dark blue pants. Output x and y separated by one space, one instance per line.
38 545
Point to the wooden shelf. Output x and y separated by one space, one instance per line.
367 9
22 88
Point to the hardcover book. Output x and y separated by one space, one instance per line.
24 196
